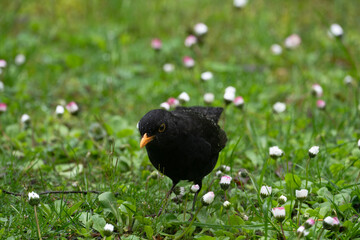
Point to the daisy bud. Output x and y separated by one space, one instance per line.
1 86
276 49
59 111
3 63
206 76
108 229
168 67
72 107
25 119
279 107
190 41
301 232
316 90
282 199
154 175
279 213
243 173
229 95
245 217
348 80
275 152
209 98
309 223
358 143
3 107
225 182
156 44
34 198
188 62
227 204
320 104
20 59
240 3
265 191
208 198
195 188
302 194
336 31
331 223
225 168
200 29
313 151
292 41
218 173
239 102
184 97
180 191
165 106
173 102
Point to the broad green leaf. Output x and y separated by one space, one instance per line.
149 231
292 181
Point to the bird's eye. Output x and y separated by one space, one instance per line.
162 127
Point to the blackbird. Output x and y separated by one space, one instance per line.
183 144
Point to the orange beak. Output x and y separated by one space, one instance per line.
145 140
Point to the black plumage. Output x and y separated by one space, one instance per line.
183 144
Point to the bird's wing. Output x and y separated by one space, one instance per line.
197 124
212 113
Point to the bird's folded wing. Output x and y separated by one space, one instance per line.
212 113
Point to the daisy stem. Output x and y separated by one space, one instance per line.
307 172
37 222
298 218
322 230
191 223
282 230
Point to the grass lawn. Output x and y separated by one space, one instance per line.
87 166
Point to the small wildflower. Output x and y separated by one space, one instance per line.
3 63
156 44
190 41
165 106
168 67
59 111
336 31
348 80
25 119
229 95
72 107
209 98
316 90
358 143
279 107
3 107
218 173
34 198
180 191
243 173
276 49
108 229
188 62
184 97
227 204
225 182
245 217
301 194
206 76
200 29
240 3
275 152
20 59
331 223
195 188
320 104
309 223
208 198
239 102
301 232
265 191
282 199
279 213
173 102
292 41
313 151
225 168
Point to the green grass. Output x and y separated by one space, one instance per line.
98 54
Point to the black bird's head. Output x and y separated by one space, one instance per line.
156 127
